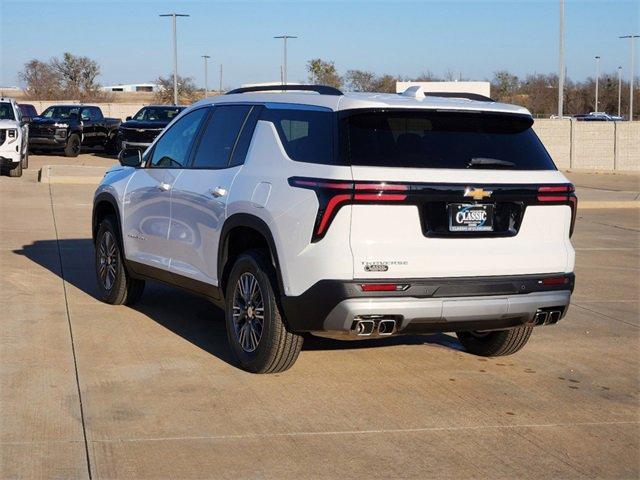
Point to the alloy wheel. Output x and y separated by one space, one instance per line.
107 260
248 312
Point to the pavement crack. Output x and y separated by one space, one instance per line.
604 315
73 347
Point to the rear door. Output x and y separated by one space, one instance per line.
199 201
147 201
448 194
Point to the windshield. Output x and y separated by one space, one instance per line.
157 114
431 139
60 112
6 111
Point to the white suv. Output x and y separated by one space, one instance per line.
345 215
14 138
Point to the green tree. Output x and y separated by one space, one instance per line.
322 72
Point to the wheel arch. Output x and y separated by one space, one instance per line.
247 225
105 204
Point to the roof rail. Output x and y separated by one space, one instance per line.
321 89
468 96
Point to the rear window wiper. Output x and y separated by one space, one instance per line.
481 162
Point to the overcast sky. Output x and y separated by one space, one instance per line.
474 38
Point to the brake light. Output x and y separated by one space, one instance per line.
560 195
333 194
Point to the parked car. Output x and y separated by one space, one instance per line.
71 127
14 138
346 215
141 130
597 117
28 111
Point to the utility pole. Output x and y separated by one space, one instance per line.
284 64
220 89
175 54
631 74
561 61
597 79
619 89
206 74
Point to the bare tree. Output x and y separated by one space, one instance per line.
69 77
42 81
187 91
360 80
323 73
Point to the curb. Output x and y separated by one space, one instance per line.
594 204
48 174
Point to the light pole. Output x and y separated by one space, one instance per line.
619 89
631 74
597 79
175 54
284 64
206 74
561 61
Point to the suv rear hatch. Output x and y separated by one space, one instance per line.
451 194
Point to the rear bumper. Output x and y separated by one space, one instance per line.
430 305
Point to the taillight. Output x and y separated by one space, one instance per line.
560 195
333 194
555 280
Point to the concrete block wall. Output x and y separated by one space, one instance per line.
556 137
116 110
602 146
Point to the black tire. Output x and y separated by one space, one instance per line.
495 344
276 349
72 148
25 160
111 147
16 171
115 286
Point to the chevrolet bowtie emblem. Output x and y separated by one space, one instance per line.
477 193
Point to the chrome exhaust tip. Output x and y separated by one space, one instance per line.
364 328
540 318
386 327
554 316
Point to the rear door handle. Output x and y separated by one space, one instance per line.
218 192
165 187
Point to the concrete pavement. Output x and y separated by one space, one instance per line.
92 390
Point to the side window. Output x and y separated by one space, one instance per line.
172 149
95 114
85 114
306 135
219 137
244 140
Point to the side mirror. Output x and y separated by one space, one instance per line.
130 157
26 119
127 119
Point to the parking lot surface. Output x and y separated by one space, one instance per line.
93 390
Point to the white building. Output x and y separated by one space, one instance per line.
132 87
479 88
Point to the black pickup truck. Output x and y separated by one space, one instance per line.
141 130
71 127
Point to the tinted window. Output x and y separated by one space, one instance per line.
305 134
442 140
6 111
60 112
85 114
172 150
95 114
219 137
158 114
244 140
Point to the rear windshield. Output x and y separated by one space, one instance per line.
425 139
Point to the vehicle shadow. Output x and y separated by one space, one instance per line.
191 317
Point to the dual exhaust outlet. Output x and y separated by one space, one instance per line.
373 326
547 317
